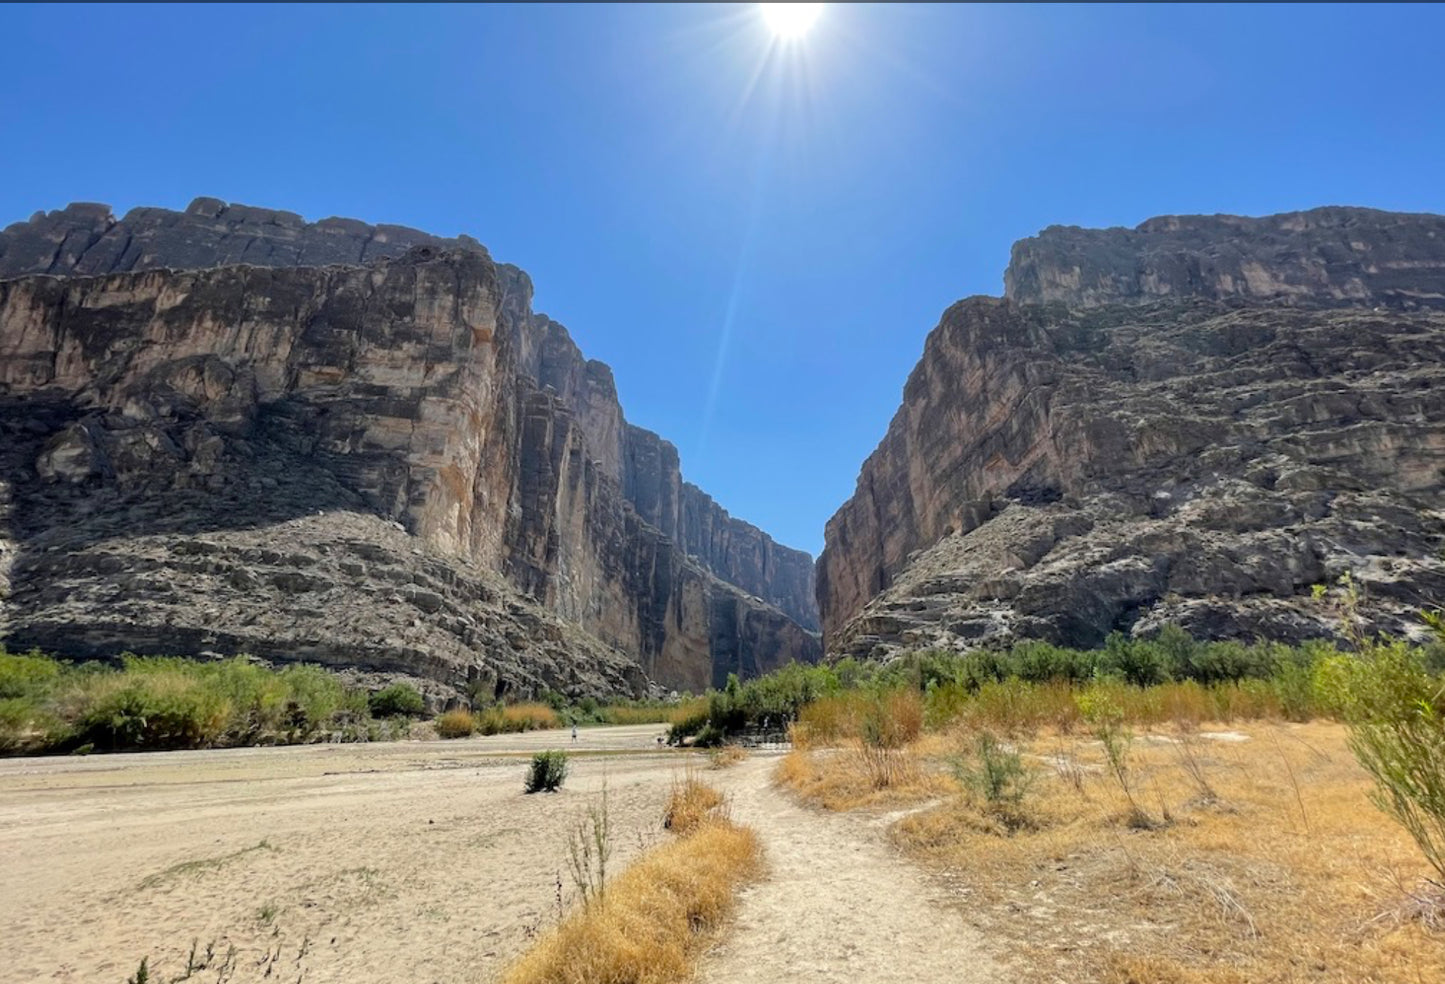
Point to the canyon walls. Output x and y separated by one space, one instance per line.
231 429
1194 421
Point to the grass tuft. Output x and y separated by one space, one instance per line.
690 805
726 757
456 724
654 919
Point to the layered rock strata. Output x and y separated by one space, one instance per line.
1194 422
390 462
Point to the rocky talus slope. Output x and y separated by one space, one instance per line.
230 430
1194 421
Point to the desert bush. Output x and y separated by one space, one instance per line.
27 675
771 702
589 849
547 772
1186 749
1103 710
688 725
397 700
457 723
314 698
156 703
1014 706
829 720
889 721
167 702
1293 682
1396 712
16 715
996 774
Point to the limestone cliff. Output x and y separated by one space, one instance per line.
86 238
1323 256
1194 421
228 429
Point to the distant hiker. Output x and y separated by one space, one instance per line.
574 732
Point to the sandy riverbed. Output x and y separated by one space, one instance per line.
398 862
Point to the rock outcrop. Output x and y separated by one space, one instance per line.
1324 256
230 430
1191 422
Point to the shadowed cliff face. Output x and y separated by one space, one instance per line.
398 466
1172 445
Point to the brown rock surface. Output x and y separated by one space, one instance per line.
1195 456
397 466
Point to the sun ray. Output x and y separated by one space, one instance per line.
790 21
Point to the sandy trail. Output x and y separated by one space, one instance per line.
398 863
838 905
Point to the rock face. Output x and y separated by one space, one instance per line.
85 239
1191 422
1323 256
213 443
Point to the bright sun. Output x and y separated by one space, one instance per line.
790 21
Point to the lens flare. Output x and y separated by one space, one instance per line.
790 21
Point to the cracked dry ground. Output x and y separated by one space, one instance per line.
838 903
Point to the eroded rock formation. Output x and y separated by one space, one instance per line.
230 430
1195 422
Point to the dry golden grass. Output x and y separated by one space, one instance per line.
690 805
517 717
726 757
654 714
456 724
848 778
654 919
1018 707
890 719
1268 864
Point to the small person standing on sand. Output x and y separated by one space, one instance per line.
574 731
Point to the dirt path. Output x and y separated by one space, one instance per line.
839 904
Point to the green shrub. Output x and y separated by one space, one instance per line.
998 777
1294 688
29 675
157 708
547 772
688 726
397 700
1102 706
1396 712
314 698
709 736
16 714
169 702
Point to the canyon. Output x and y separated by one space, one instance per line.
230 430
1196 421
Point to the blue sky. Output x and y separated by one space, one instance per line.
756 239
